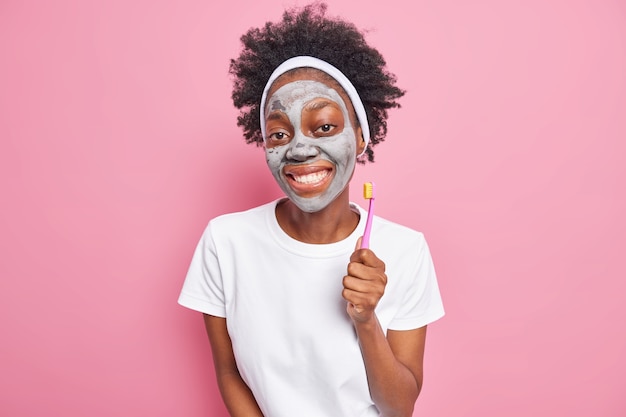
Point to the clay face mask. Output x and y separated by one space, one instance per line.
311 143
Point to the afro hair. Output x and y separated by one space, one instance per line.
309 31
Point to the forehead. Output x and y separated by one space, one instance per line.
311 74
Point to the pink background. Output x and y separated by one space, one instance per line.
119 143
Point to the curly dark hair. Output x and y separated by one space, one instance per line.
308 31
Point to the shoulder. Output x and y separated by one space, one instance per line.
239 229
391 230
399 246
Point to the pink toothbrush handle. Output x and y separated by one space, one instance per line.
365 242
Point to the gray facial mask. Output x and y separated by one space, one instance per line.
337 151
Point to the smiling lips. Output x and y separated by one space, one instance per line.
311 178
307 178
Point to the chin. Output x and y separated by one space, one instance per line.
312 204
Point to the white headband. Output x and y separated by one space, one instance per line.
312 62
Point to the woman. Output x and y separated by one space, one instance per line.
302 321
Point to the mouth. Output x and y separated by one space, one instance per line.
308 180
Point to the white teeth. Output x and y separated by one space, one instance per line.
311 178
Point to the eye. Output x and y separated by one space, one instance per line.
278 136
325 128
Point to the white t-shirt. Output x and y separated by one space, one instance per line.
293 340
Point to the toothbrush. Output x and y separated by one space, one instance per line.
368 193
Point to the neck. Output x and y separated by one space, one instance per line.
333 223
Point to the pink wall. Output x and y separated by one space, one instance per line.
118 143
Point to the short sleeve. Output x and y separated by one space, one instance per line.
422 302
203 287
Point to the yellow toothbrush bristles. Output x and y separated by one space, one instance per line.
368 190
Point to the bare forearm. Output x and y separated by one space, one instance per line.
237 396
393 387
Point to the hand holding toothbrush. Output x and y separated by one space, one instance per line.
365 282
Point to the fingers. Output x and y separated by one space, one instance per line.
372 285
367 258
365 274
361 305
361 293
368 267
363 286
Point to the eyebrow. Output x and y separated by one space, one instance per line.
275 115
318 105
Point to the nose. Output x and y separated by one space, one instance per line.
301 148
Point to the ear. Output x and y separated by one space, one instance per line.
360 141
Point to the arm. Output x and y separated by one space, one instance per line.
394 367
394 364
236 395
